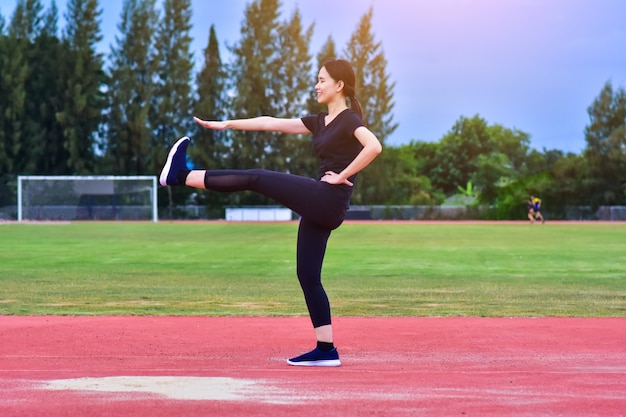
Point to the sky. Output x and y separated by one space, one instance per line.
531 65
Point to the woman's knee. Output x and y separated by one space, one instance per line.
308 279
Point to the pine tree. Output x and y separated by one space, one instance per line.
44 89
271 75
27 20
172 100
373 86
131 89
255 56
292 87
83 82
375 93
7 195
210 146
606 143
210 105
329 50
291 70
15 154
31 89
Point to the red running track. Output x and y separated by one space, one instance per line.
212 366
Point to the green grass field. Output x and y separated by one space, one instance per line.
386 269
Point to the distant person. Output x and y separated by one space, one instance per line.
534 209
344 147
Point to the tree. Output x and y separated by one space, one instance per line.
491 171
513 143
402 182
172 99
211 147
291 68
210 105
458 152
45 92
503 160
255 56
15 72
30 91
271 75
373 86
606 147
329 50
424 154
6 195
512 197
32 51
290 99
27 20
375 93
83 81
29 62
568 186
172 102
131 89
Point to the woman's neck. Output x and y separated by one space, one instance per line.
336 107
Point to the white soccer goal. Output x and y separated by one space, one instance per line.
86 198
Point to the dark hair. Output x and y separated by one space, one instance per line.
341 70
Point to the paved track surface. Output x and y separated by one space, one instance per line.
235 366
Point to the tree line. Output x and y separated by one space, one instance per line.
67 109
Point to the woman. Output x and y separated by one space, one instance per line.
344 147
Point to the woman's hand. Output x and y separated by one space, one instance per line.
210 124
333 178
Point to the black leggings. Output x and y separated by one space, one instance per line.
322 207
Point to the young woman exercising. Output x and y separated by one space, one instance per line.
344 147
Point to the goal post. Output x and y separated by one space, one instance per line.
96 197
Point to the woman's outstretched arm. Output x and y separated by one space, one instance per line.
267 123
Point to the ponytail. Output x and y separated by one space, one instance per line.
355 105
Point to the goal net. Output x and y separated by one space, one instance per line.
86 198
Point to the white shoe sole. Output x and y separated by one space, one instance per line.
330 362
168 163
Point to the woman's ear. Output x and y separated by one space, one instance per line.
340 85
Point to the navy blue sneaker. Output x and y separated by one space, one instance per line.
176 161
317 357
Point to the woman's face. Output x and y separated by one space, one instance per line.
326 88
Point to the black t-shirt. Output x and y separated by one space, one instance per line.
335 145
